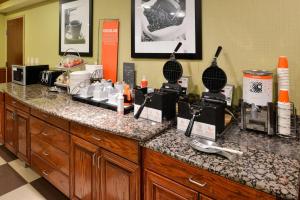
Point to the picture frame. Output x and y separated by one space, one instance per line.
76 27
157 26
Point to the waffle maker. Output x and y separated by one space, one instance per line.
209 111
161 103
172 71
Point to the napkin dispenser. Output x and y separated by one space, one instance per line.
161 106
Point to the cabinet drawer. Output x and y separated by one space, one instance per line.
59 180
124 147
61 123
201 180
56 157
159 186
50 134
15 103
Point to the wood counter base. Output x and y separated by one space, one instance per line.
85 163
160 169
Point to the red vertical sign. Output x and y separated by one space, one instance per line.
110 43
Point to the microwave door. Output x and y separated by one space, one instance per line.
18 75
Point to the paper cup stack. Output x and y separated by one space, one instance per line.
284 105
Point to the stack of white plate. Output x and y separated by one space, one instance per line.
93 68
284 105
78 79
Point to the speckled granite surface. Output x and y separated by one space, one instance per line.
61 105
269 164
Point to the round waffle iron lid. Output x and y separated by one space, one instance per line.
172 69
214 78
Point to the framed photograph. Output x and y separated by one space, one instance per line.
157 26
76 27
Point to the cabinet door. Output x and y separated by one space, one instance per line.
157 187
202 197
119 179
10 135
23 136
2 112
83 159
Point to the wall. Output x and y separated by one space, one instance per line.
253 33
2 41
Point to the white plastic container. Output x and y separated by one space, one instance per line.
258 87
120 104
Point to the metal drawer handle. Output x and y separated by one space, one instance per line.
96 138
45 173
44 133
45 153
197 183
94 158
98 162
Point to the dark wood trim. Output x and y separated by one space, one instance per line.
2 75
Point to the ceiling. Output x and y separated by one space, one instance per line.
7 6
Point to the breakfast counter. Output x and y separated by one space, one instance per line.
61 105
269 164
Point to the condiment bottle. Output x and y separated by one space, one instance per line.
144 82
120 103
127 94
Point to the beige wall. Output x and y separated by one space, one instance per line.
253 33
2 40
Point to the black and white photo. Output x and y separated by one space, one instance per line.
76 26
158 25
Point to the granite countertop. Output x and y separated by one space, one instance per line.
61 105
269 164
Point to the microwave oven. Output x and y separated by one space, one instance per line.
26 75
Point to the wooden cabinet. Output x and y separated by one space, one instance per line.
2 120
23 136
200 180
10 136
50 173
119 178
202 197
50 148
157 187
99 174
83 170
124 147
17 138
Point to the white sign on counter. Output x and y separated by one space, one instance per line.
201 129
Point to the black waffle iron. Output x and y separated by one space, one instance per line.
161 104
210 110
172 72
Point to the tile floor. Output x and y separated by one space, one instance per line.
18 182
